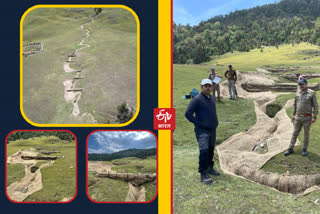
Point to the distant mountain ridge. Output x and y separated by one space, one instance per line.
139 153
289 21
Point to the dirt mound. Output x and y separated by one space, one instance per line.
285 87
100 167
236 154
32 157
136 179
246 78
293 78
283 69
31 182
136 193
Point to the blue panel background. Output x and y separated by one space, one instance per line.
11 118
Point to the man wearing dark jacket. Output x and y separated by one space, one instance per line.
205 122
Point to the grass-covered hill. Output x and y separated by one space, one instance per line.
289 21
230 194
138 153
108 67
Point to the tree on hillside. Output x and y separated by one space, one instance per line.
125 113
97 10
286 22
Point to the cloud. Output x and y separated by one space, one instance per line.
114 141
181 15
193 12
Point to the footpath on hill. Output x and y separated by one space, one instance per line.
237 156
71 93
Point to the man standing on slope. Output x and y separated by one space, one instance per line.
231 76
215 86
205 122
305 100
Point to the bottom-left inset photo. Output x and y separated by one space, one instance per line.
41 166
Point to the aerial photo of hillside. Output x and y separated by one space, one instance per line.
80 65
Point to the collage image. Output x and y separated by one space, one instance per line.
179 106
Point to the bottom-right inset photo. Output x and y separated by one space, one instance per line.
122 166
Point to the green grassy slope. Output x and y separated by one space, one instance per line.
43 74
59 179
230 194
110 64
110 58
296 163
15 172
304 55
136 165
106 189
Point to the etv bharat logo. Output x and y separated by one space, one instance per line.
164 118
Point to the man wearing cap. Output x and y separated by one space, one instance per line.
215 86
205 122
304 102
231 76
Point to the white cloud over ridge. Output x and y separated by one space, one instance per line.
114 141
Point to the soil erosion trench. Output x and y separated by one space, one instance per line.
71 93
32 181
237 156
135 181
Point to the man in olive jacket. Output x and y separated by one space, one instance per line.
304 102
231 76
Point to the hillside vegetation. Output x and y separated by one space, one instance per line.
139 153
286 22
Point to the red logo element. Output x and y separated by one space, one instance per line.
164 118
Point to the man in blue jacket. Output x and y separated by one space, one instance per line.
205 122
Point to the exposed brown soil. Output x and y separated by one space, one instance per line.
293 78
236 154
136 179
136 193
71 93
99 167
31 182
283 69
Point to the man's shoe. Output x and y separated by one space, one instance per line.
288 152
204 178
212 171
304 152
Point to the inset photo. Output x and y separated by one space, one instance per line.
41 166
79 65
122 166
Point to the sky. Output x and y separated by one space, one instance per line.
193 12
114 141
